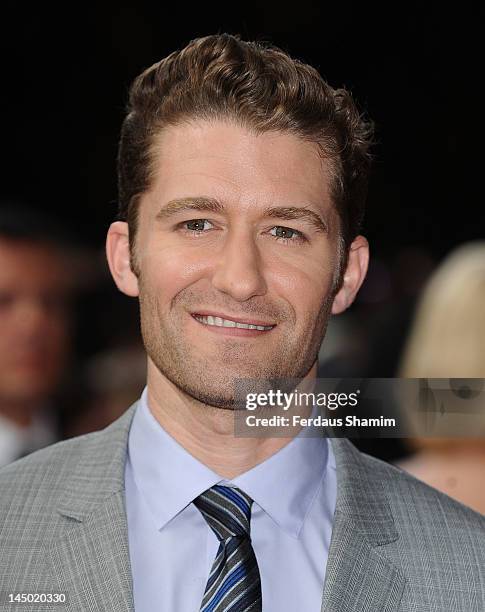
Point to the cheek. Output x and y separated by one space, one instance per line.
6 344
171 270
59 335
305 284
11 331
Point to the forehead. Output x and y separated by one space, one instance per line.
233 163
29 265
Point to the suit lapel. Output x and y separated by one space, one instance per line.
91 560
91 557
359 578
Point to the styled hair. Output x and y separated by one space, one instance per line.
22 223
258 86
447 338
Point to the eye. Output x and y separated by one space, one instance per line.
287 234
197 225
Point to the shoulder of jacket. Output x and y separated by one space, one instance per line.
408 496
47 465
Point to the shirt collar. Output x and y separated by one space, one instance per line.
286 484
170 478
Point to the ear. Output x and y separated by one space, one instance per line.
118 254
357 264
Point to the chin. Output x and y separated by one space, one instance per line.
212 398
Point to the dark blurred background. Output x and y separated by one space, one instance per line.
414 68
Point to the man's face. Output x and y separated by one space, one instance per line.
33 325
236 227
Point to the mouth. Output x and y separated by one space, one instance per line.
228 324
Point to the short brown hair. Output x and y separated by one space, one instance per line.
260 87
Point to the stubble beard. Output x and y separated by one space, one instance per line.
214 384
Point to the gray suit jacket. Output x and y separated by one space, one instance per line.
397 544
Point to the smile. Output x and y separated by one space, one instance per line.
220 322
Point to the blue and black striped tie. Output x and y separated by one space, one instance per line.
234 583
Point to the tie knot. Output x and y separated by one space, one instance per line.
227 510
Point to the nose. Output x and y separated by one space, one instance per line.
238 271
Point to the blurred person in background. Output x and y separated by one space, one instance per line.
447 340
34 325
114 379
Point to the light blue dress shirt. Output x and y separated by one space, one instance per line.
172 548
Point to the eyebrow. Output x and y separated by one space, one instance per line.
206 204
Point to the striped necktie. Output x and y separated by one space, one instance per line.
234 583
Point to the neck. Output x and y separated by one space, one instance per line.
207 432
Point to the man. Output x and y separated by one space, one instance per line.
242 180
33 330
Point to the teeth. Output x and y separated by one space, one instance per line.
220 322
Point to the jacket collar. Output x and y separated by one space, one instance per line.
98 471
360 494
358 577
95 468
